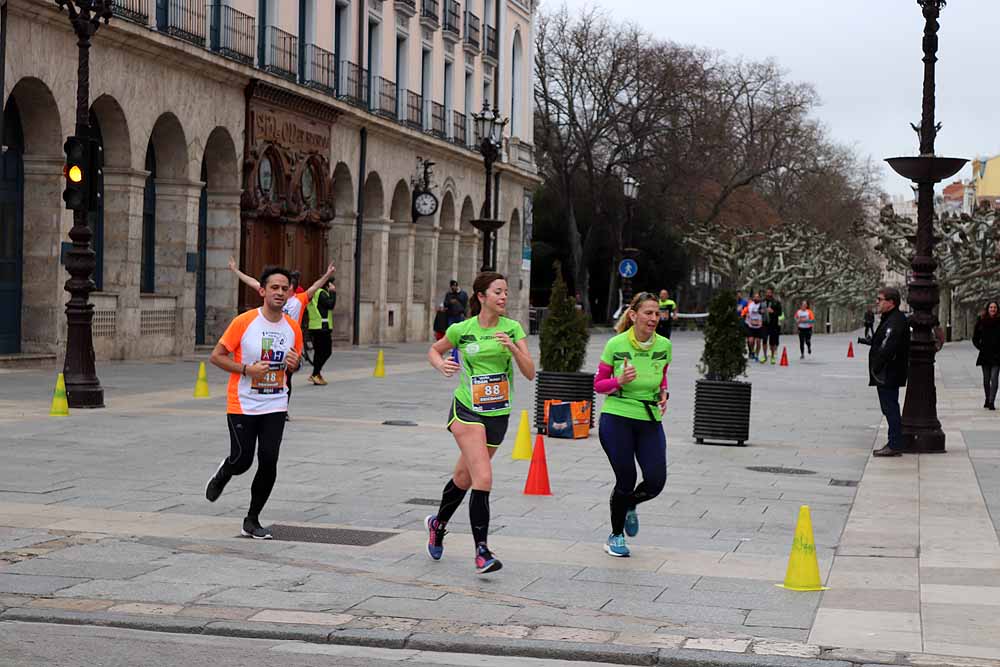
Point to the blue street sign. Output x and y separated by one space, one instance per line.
628 268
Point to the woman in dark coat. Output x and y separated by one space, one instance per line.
986 338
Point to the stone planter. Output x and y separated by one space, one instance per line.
721 411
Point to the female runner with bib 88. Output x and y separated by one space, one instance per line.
633 373
488 345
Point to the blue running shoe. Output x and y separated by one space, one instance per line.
486 562
632 523
435 537
616 546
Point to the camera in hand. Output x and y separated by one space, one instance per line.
864 340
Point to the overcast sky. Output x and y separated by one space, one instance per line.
863 57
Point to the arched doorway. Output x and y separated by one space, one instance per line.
11 230
218 235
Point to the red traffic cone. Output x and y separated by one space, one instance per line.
850 350
538 474
784 356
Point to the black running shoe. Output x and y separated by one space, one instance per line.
252 528
217 483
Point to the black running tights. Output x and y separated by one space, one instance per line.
991 375
263 434
805 339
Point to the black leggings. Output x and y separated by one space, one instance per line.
322 348
805 339
991 375
263 433
626 441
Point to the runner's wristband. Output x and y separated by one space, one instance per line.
244 372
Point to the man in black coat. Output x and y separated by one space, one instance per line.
888 364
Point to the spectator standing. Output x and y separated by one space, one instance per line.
986 338
888 365
668 314
455 302
869 321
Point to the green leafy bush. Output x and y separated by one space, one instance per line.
564 333
725 354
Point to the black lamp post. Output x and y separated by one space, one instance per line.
921 428
83 388
631 189
489 126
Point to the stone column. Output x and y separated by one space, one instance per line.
176 235
340 248
46 225
123 197
470 249
424 272
374 282
447 262
400 278
222 242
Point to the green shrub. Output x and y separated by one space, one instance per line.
564 333
725 354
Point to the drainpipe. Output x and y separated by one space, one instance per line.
359 237
3 67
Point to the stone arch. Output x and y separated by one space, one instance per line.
517 78
168 196
374 197
43 221
469 254
218 236
400 265
343 190
112 220
114 131
447 254
171 147
513 266
373 250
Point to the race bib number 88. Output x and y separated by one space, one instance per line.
490 392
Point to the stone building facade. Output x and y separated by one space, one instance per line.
238 128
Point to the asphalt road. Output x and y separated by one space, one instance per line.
38 645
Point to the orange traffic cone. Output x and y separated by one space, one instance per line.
850 350
784 356
538 474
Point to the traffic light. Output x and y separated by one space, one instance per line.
77 173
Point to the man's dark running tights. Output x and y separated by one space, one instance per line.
451 498
626 441
263 434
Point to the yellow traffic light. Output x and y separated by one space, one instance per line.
75 174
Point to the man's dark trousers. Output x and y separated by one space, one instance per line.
888 399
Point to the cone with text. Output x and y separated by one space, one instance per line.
201 383
522 446
60 407
537 483
803 566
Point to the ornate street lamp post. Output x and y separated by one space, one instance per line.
921 427
489 126
631 190
83 388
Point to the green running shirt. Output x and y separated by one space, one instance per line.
486 385
649 364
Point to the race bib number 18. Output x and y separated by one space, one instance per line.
490 392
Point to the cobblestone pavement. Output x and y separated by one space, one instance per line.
103 520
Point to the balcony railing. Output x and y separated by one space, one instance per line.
430 12
136 11
234 34
472 30
183 19
459 130
406 7
436 115
384 99
414 110
321 69
353 83
282 53
452 19
491 50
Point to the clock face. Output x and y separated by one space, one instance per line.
308 189
265 177
425 204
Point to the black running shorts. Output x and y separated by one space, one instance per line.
496 427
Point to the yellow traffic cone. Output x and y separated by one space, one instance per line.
60 408
380 365
201 384
803 566
522 446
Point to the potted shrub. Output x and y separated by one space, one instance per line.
721 402
563 341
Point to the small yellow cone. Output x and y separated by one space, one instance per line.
201 384
522 446
803 566
60 408
380 365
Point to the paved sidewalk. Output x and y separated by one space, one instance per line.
103 520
